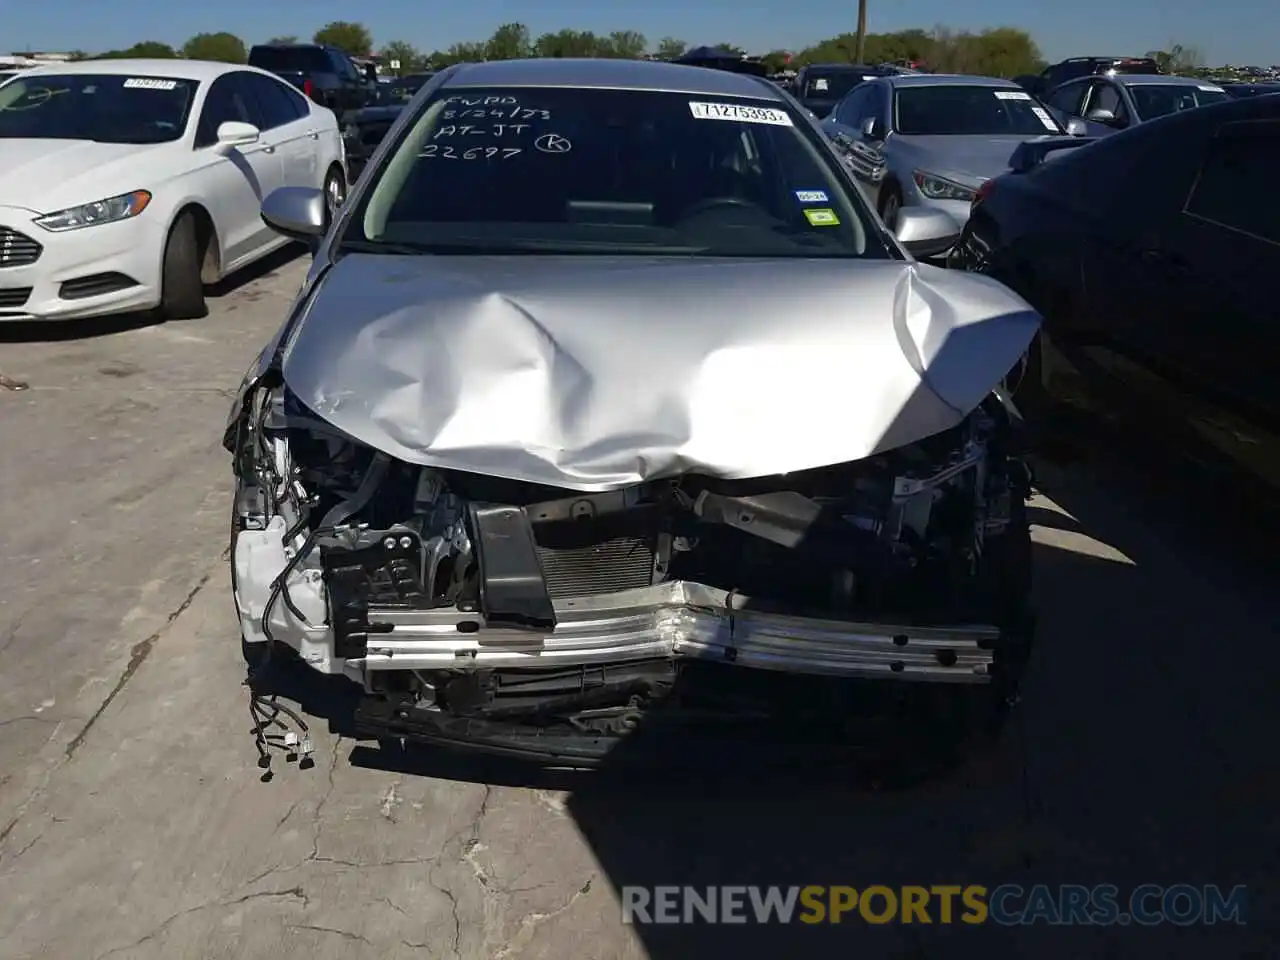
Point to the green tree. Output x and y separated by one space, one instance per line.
353 38
624 45
776 60
669 48
147 49
288 39
405 54
510 41
567 43
1178 59
729 48
459 53
223 47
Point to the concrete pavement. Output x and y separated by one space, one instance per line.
134 825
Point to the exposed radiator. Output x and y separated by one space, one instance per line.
620 563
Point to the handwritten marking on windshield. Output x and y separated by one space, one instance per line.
499 113
471 153
482 101
481 130
553 143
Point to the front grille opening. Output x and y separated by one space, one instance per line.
95 285
14 297
17 249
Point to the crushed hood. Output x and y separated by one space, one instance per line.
595 373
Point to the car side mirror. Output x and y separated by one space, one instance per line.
872 128
296 212
235 133
1100 115
1077 128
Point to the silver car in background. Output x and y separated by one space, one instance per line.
1106 104
939 138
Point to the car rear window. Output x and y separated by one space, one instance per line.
831 86
290 59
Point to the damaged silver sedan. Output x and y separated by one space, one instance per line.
608 410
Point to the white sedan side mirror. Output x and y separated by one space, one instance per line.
235 133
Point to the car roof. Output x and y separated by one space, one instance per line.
947 80
649 75
1160 79
177 69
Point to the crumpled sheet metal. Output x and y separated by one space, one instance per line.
595 374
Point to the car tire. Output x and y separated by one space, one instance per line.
181 283
889 204
335 194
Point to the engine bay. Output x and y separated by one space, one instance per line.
336 544
897 535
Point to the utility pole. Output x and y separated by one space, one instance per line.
862 31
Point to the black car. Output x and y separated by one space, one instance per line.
364 129
1152 254
821 86
324 73
1244 89
1055 75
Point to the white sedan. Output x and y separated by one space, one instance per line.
131 184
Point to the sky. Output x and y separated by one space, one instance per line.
1225 31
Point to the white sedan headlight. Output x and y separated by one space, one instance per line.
940 188
101 211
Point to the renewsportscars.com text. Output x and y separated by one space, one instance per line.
1006 905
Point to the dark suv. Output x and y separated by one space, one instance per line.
1057 74
324 73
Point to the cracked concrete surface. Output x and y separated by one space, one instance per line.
133 823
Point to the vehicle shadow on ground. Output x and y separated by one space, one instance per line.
59 331
1139 755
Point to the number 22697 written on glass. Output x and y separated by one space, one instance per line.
469 153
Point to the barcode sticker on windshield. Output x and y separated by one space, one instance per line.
1045 118
149 83
1012 95
740 113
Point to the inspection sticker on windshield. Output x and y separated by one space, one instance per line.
1012 95
811 196
1045 118
149 83
822 218
734 111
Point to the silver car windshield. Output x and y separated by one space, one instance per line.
969 110
617 172
1157 100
